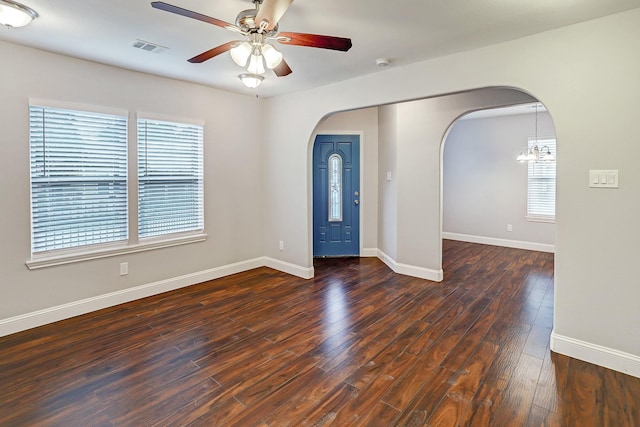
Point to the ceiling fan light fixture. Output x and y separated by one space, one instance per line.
256 65
272 57
251 81
240 53
14 14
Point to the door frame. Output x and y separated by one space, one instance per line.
363 198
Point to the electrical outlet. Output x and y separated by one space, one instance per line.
509 227
281 245
124 268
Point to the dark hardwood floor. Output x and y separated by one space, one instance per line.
356 346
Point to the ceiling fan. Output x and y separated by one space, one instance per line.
258 26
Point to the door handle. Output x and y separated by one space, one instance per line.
357 202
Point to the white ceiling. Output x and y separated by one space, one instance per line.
403 30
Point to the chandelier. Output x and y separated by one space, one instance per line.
536 154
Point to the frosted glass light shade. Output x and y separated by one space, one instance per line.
13 14
271 56
240 53
250 80
255 64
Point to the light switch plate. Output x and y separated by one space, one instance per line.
603 178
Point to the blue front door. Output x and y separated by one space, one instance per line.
336 195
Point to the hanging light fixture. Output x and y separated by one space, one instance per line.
271 56
521 157
256 64
536 154
255 54
251 81
14 14
240 53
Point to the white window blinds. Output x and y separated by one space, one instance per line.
541 192
170 178
78 178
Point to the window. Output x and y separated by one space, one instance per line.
170 178
541 188
80 184
78 178
335 188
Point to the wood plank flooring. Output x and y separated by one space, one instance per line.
356 346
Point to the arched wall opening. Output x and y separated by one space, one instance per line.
402 173
485 190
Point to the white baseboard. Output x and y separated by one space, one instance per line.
517 244
287 267
65 311
369 252
391 263
411 270
602 356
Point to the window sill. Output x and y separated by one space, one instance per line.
53 260
547 219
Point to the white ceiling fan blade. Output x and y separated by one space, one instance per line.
271 11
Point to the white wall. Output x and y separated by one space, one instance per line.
586 75
233 217
484 188
414 132
365 123
388 189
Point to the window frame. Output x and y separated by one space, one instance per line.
133 244
201 209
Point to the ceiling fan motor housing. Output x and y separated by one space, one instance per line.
246 20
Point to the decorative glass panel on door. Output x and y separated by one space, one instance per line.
335 188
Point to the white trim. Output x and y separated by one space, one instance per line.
53 314
76 106
369 252
109 251
411 270
65 311
289 268
390 262
539 218
168 118
602 356
530 246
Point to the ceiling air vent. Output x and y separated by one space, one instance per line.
148 46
